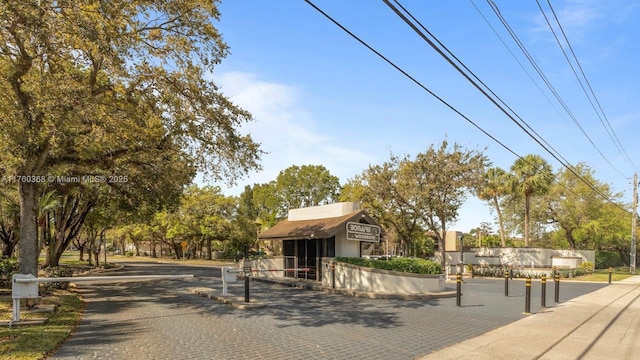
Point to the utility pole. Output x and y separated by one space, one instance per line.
634 221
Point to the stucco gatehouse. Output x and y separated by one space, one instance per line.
313 234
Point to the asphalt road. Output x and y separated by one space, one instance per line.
160 319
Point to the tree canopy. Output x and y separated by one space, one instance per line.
426 192
532 176
306 185
113 88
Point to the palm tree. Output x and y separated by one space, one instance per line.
532 176
494 186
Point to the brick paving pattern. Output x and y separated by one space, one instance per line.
161 320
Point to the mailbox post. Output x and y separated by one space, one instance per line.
228 276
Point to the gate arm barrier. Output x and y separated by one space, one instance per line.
26 286
267 270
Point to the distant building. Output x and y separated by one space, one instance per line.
311 234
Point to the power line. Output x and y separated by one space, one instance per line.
458 65
514 57
409 76
607 126
533 63
432 43
365 44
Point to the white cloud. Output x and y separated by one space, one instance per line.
286 131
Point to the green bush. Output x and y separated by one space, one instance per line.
489 271
8 267
587 267
54 272
409 265
607 259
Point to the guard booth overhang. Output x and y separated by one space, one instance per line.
309 235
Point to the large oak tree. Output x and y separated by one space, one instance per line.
93 84
427 191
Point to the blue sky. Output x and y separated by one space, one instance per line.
319 97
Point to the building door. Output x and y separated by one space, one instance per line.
307 253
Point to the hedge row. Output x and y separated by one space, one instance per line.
409 265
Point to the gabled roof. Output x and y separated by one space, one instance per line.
316 228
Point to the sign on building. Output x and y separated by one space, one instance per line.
363 232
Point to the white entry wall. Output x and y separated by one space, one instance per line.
522 257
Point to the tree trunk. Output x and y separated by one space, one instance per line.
89 256
443 254
154 254
208 242
9 237
570 238
68 222
7 251
57 250
81 249
500 223
28 245
526 220
177 249
624 252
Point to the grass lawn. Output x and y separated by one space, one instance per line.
602 275
36 341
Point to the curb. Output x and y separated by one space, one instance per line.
361 294
236 302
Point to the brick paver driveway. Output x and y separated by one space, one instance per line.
161 320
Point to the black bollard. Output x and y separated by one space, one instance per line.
458 288
610 272
556 279
511 272
527 296
543 283
506 283
246 273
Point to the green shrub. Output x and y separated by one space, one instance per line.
54 272
129 253
587 267
8 267
409 265
607 259
489 271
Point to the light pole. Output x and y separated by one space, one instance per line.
634 220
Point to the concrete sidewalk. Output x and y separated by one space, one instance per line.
604 324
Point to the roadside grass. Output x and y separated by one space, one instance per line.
602 275
36 341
